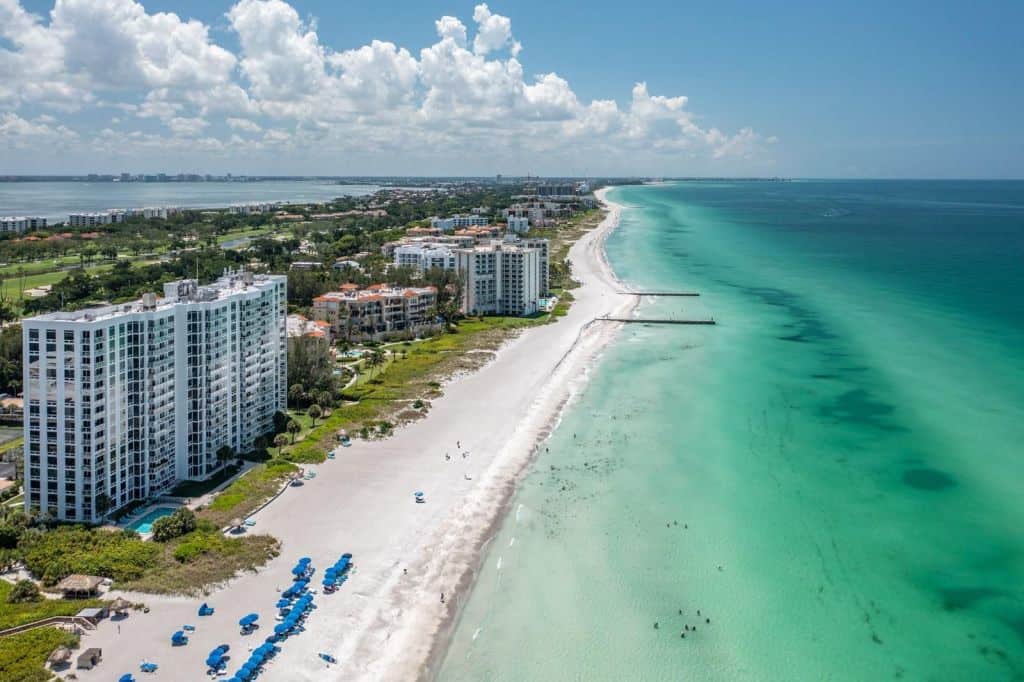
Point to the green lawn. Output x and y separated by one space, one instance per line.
12 615
248 492
23 657
197 488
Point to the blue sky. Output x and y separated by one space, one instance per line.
867 89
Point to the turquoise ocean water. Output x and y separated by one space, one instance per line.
833 475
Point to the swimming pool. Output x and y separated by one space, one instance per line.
145 524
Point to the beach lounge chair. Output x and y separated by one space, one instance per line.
127 677
188 628
147 667
328 658
205 610
179 639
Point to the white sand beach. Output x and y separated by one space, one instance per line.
387 622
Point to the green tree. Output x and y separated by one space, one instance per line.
102 504
314 412
293 428
182 521
225 454
280 440
24 591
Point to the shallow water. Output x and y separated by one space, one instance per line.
831 475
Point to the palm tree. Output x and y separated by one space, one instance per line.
376 359
314 413
225 453
293 428
280 440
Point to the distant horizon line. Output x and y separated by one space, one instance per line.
510 179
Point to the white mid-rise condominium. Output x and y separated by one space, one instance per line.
459 220
94 219
123 401
21 223
424 256
502 278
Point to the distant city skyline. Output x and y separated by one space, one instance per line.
268 87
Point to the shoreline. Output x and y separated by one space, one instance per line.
387 622
442 636
416 648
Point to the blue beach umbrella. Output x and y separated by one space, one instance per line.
305 560
280 628
284 603
127 677
249 619
214 660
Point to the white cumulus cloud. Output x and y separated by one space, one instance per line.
465 96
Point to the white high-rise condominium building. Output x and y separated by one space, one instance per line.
123 401
499 279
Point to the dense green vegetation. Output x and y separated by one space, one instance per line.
10 358
52 554
14 614
23 657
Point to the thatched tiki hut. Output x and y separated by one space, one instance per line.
78 586
120 606
60 656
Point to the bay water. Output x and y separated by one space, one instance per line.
826 485
55 200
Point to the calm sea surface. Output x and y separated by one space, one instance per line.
833 475
55 200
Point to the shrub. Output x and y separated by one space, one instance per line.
179 523
56 553
24 591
